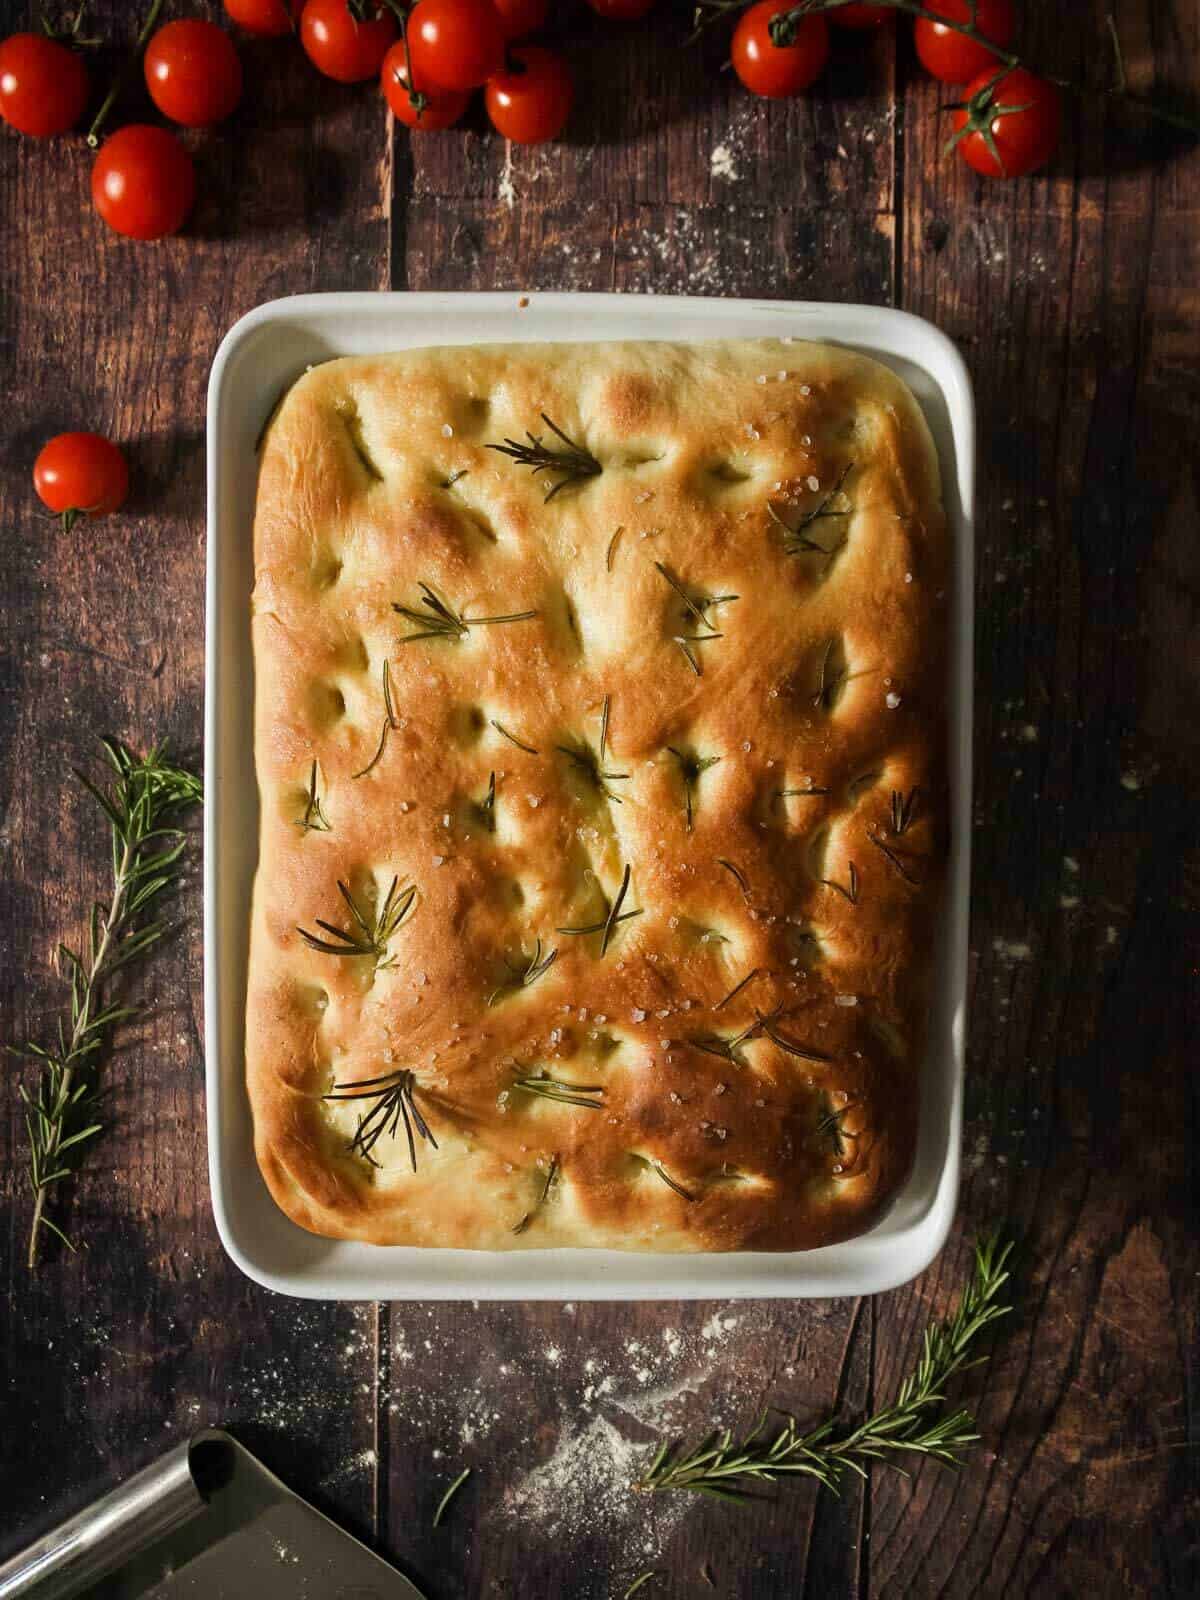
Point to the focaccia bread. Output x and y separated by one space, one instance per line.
600 726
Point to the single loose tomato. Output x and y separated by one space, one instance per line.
429 108
782 60
1009 124
43 85
621 10
521 17
270 19
143 182
456 44
529 101
80 475
346 39
951 56
860 16
193 73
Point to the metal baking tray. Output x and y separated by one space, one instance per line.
258 358
207 1521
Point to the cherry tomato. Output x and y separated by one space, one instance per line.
270 19
621 10
860 16
143 182
346 39
778 70
457 44
529 102
193 73
521 17
43 85
429 108
952 57
1009 125
80 475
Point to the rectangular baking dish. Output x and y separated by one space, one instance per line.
258 358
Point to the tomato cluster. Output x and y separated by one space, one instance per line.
1008 123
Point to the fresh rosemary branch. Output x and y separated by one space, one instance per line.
449 1495
389 722
567 1094
440 621
613 917
917 1422
787 19
394 1103
313 819
691 769
372 929
551 1175
570 461
537 967
141 801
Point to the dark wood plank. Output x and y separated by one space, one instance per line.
1073 296
114 1354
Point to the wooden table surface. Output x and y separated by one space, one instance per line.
1075 297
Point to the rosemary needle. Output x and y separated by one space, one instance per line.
569 461
639 1583
449 1495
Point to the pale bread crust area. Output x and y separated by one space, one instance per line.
776 1151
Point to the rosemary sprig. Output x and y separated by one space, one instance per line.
512 739
892 856
611 553
737 874
660 1171
848 892
449 1495
691 769
567 1094
903 807
789 1046
696 605
441 621
551 1176
569 461
797 540
591 766
829 1126
537 967
313 819
390 721
141 801
371 931
604 713
725 1047
916 1422
613 918
784 23
394 1103
738 987
486 808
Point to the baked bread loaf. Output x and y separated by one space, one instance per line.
600 725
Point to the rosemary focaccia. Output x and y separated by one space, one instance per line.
600 725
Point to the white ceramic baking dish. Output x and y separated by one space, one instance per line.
257 359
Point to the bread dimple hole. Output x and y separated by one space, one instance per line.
466 724
831 673
816 851
478 409
347 411
326 571
861 785
804 945
729 471
634 456
889 1035
327 701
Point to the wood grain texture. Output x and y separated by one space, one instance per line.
1074 296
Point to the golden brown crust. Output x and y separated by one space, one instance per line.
825 673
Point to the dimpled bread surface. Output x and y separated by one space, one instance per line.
726 715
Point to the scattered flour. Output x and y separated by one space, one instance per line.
723 164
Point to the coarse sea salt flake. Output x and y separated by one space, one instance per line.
893 700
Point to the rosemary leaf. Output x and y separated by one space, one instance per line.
551 1175
313 819
142 799
567 1094
568 461
393 1095
918 1422
373 928
449 1495
512 739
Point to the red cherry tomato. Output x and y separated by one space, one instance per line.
621 10
456 44
193 73
43 85
529 102
343 45
80 475
952 57
1009 125
778 70
143 182
860 16
521 17
428 109
270 19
